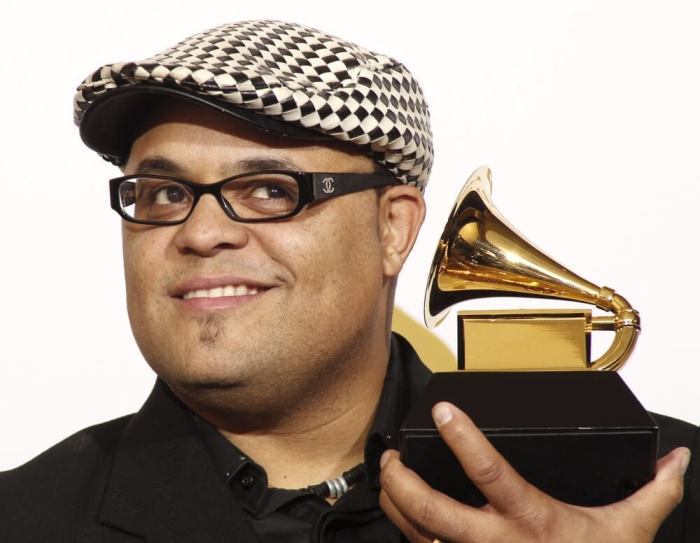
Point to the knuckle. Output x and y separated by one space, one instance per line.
634 518
674 492
487 472
647 530
536 522
425 512
645 525
388 474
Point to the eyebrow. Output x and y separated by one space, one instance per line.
267 163
158 164
161 164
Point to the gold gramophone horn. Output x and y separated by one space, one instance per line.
481 255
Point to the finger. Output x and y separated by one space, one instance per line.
413 533
426 510
652 503
502 486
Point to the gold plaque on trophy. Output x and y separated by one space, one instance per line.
542 340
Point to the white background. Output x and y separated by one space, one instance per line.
587 113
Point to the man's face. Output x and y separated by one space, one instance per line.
309 291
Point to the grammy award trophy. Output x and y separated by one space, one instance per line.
567 424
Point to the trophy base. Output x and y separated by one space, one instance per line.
581 437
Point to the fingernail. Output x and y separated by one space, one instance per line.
384 459
684 462
442 414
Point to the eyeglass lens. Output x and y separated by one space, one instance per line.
250 197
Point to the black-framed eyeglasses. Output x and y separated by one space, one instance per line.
250 197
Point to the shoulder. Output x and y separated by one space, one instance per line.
65 479
675 433
75 452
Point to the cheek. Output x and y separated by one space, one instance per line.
144 254
341 264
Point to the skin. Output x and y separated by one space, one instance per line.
292 376
293 372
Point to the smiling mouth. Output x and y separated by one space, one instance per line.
221 292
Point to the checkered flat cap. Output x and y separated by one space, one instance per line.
285 78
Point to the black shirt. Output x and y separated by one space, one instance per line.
151 477
299 516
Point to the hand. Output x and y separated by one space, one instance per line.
517 512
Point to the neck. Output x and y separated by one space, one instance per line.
305 454
320 435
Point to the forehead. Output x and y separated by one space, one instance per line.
194 136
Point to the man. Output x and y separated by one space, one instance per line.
271 192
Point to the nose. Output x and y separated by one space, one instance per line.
208 230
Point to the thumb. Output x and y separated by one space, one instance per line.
652 503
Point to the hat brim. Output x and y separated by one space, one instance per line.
109 123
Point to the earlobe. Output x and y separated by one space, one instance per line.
401 213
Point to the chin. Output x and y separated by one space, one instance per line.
204 384
193 374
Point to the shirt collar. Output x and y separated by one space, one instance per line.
405 379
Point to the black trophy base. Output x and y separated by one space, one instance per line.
581 437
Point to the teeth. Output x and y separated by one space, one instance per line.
228 290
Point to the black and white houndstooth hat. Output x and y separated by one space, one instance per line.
285 78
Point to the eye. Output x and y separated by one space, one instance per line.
265 194
170 194
270 191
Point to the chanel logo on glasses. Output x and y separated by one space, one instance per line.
328 187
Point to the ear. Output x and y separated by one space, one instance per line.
401 213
